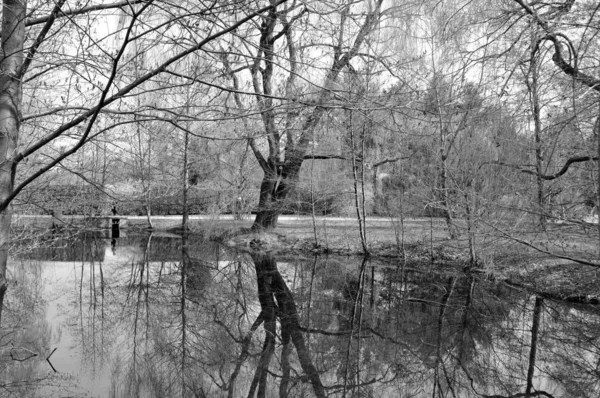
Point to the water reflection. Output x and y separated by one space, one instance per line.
161 316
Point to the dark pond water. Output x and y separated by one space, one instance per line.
150 317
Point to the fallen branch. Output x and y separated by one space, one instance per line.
50 363
16 358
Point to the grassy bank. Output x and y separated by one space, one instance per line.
560 260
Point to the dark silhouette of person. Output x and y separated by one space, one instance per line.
114 210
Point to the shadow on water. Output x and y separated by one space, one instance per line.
165 316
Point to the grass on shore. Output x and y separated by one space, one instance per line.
562 258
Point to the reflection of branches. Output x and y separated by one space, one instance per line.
268 306
244 354
573 298
439 363
532 359
356 311
185 264
285 362
16 357
534 338
289 321
276 300
533 394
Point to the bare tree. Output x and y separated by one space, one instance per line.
291 110
24 65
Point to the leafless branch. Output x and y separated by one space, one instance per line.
84 10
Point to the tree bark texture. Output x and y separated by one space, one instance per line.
13 36
533 87
274 189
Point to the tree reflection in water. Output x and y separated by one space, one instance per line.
164 317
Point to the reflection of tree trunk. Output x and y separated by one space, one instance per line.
289 321
268 306
356 319
535 327
244 354
465 319
271 286
285 363
2 293
438 362
185 260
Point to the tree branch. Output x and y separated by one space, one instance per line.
317 157
391 160
142 79
93 116
557 57
83 10
565 168
259 157
40 38
566 67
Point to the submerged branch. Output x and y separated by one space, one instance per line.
571 298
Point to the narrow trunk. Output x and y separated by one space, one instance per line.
598 179
312 199
536 113
452 230
149 209
357 198
470 226
185 216
535 328
439 362
13 35
185 270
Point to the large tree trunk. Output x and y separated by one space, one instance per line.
13 35
266 220
276 185
268 208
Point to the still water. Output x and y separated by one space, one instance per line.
148 316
